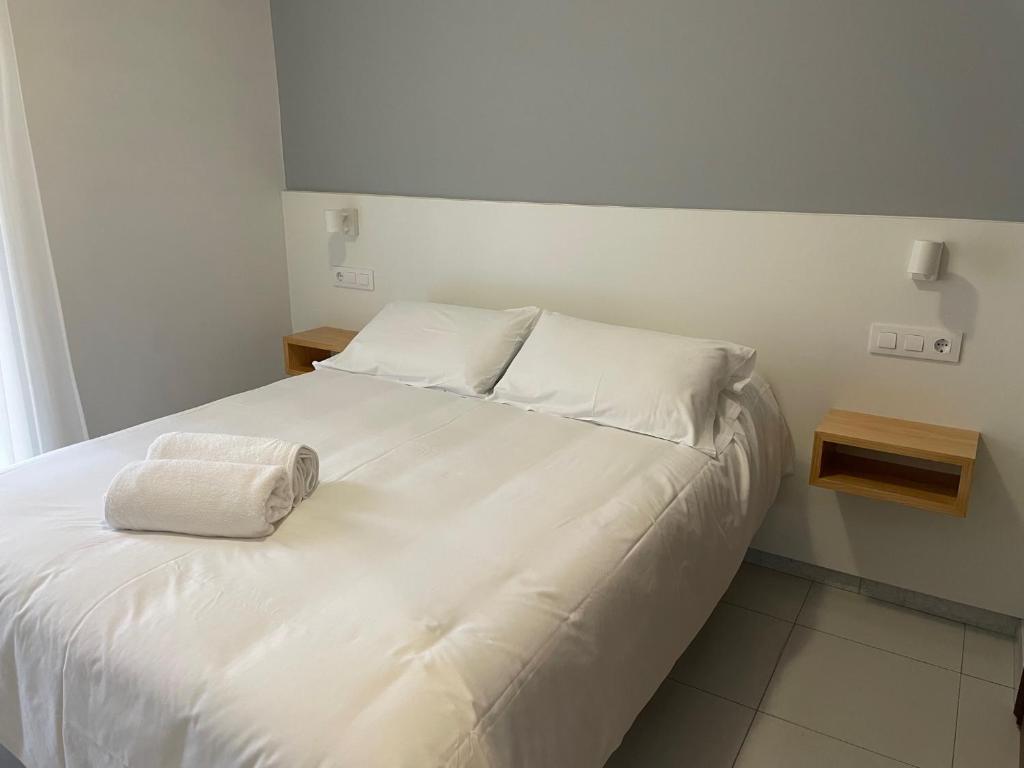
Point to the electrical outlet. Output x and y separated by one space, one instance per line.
359 278
912 341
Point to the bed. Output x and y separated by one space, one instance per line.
471 585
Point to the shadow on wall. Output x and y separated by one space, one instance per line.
958 298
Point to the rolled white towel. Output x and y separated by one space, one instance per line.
203 498
300 462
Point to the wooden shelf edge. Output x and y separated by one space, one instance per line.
316 347
324 338
908 438
882 447
897 468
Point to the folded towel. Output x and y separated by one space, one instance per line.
204 498
300 462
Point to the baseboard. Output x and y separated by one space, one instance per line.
1018 670
937 606
1018 658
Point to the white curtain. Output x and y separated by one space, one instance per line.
39 405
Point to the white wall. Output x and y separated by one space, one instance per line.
802 288
157 140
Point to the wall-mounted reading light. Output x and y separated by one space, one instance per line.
344 220
925 260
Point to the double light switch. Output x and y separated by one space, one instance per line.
912 342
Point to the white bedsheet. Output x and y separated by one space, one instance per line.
472 585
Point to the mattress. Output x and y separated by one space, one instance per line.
471 585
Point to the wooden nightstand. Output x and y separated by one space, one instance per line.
907 462
302 349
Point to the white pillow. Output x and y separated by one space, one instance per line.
672 387
458 349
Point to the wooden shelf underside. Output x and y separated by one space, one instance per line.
876 479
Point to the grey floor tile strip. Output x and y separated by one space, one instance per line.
1018 656
804 570
937 606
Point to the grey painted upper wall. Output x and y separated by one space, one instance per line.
903 107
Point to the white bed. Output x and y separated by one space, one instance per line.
471 585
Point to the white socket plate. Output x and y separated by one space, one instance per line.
359 278
940 344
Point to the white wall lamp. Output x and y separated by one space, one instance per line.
925 260
343 220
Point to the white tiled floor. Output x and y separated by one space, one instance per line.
789 674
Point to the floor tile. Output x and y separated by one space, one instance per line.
883 625
986 733
773 592
890 704
734 654
989 656
774 743
684 726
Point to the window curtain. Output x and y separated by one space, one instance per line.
39 405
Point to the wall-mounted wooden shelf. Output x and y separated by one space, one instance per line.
302 349
920 465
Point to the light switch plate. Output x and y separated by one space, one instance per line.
939 343
359 278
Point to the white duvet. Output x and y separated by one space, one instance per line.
471 585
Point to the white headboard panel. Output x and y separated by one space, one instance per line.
801 288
